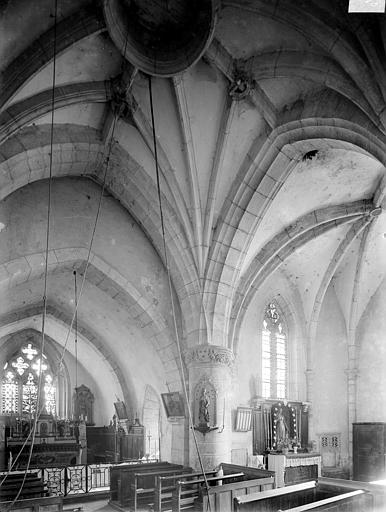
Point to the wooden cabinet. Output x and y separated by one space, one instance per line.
369 451
132 446
105 445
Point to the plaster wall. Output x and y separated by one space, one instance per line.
128 339
371 393
329 400
102 386
118 240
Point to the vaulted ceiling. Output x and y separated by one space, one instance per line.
271 151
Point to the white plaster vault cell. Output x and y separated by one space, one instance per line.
366 6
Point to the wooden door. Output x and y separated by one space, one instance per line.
368 451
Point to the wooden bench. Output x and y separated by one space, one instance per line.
250 472
33 486
122 476
276 499
187 491
144 483
221 498
47 504
306 496
166 484
354 501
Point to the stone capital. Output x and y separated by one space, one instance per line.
209 354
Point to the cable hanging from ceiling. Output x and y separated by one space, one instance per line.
176 332
38 408
76 330
106 162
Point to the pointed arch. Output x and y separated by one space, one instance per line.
151 420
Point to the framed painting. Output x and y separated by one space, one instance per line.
120 409
173 403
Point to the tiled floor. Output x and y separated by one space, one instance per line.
89 506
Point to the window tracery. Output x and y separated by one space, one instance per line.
274 354
19 383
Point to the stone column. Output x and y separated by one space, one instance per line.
352 377
210 369
310 374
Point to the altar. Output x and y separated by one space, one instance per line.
56 442
293 468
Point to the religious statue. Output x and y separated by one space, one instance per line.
203 415
281 427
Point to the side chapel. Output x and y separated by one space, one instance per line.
193 228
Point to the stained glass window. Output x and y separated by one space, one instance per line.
30 394
274 354
9 394
49 395
19 383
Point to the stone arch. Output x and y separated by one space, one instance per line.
57 325
151 418
25 66
135 191
295 63
255 188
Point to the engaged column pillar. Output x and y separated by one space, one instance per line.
210 385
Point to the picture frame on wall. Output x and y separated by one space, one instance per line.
120 409
174 404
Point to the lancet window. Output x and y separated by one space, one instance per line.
20 383
274 354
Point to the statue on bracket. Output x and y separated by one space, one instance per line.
205 401
83 400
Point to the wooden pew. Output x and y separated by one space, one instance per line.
250 472
377 492
33 486
144 484
187 491
166 484
276 499
221 498
306 496
122 475
354 501
48 504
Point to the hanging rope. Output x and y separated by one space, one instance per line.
184 385
40 377
76 331
107 163
39 408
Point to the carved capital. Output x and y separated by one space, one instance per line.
209 354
